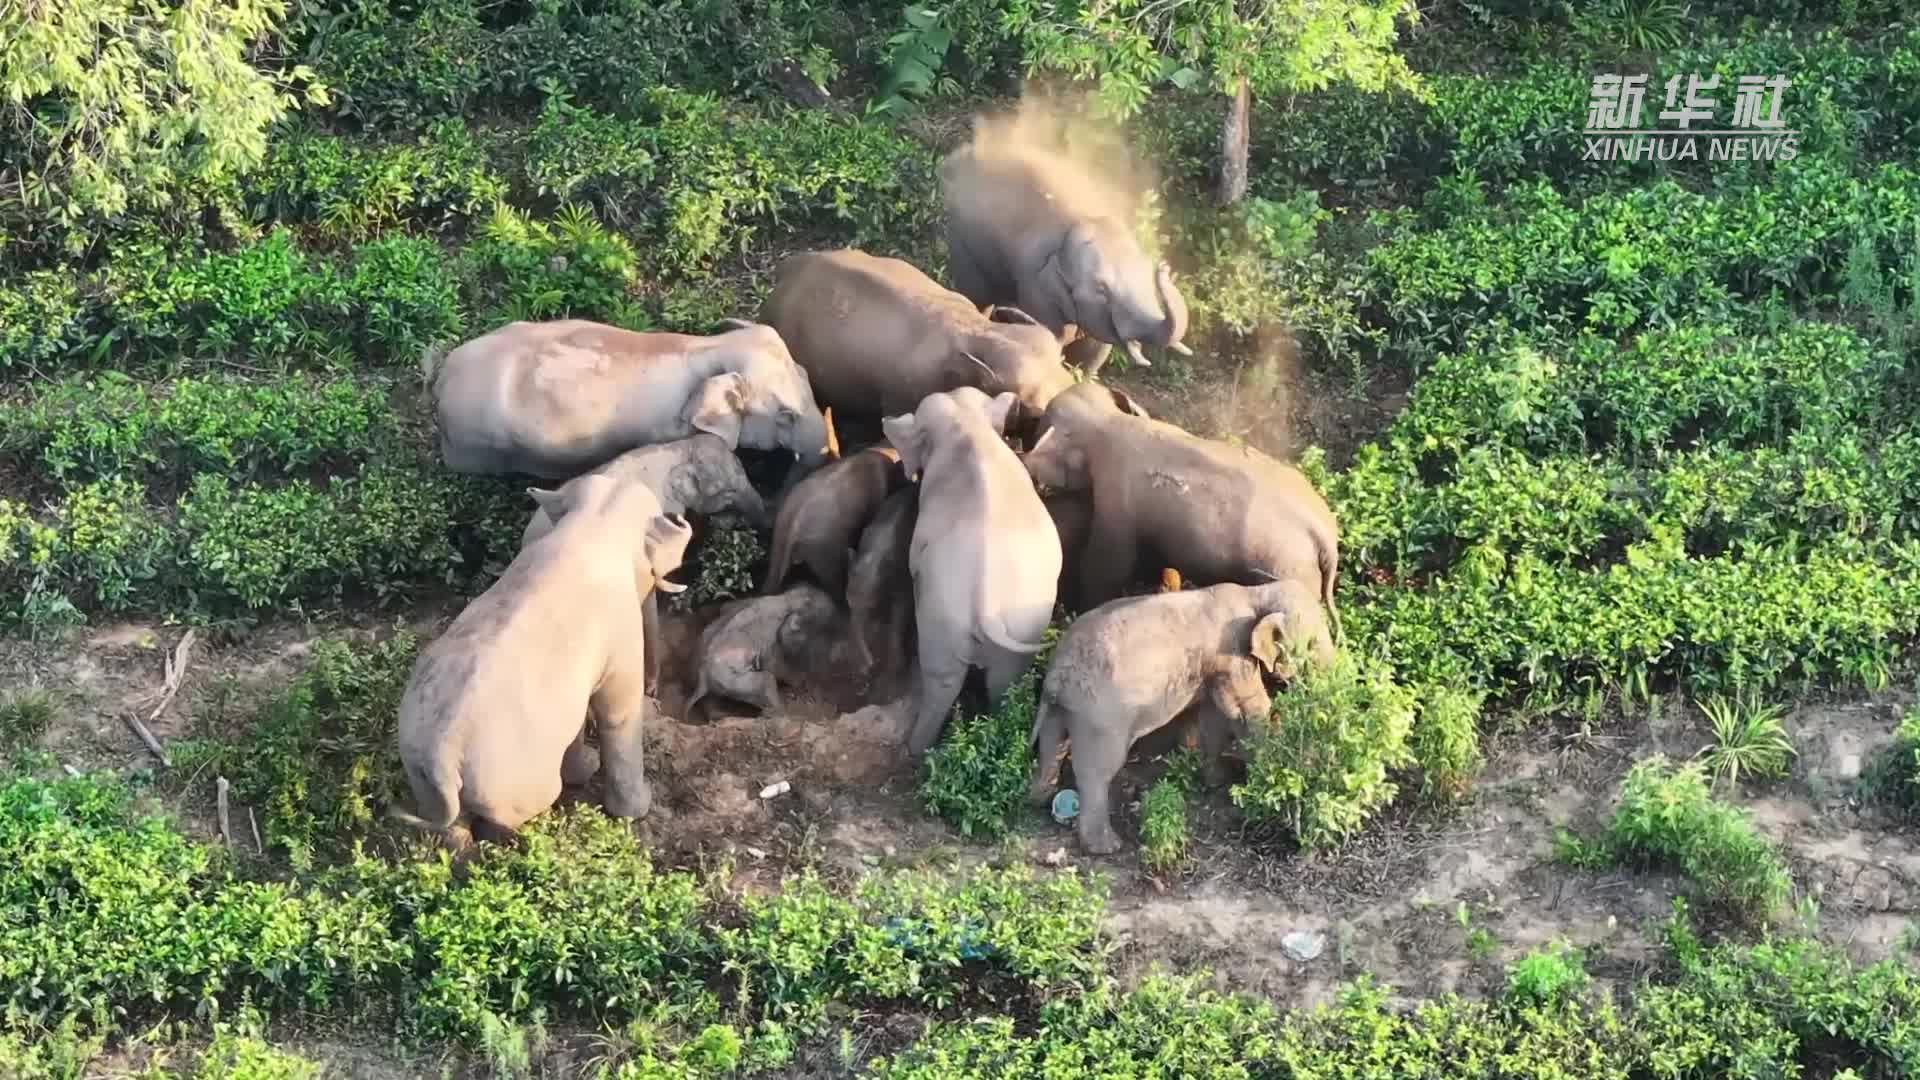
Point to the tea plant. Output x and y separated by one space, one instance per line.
977 775
1547 975
726 558
1163 826
1446 740
1320 765
1748 736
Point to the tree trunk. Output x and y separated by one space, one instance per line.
1234 135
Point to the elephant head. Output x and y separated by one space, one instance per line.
710 480
1282 639
1014 354
1058 460
1116 293
1087 402
663 546
1238 691
765 402
914 435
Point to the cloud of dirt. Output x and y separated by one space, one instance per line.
1089 158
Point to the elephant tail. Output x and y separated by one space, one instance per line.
699 690
994 629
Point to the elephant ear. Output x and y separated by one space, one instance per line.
904 433
727 325
666 543
1012 316
1126 404
1269 645
554 501
716 407
999 409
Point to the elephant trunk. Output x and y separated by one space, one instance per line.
1174 326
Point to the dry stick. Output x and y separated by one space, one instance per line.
71 771
176 673
256 831
220 799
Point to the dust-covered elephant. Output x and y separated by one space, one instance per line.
494 715
554 399
985 558
1028 227
876 336
1163 497
1130 666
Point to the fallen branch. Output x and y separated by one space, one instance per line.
175 675
256 831
220 799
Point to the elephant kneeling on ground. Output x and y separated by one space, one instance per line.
748 650
494 715
1130 666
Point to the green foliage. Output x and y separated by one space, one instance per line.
318 759
240 1052
1748 736
1446 740
724 558
1547 975
912 61
977 775
25 715
1163 826
116 106
1894 774
1320 765
1667 816
1644 25
353 190
572 267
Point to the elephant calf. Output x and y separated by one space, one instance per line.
495 711
880 582
1130 666
748 650
821 518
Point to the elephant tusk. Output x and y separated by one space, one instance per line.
666 586
1138 354
832 449
1181 348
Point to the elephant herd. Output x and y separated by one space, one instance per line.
939 545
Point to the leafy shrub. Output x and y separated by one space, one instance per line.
1446 739
25 715
403 295
1894 775
1547 975
240 1052
572 267
1163 826
318 760
1319 766
725 557
354 189
1667 814
43 319
976 777
1747 736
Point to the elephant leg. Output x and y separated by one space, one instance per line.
620 712
1097 759
1089 354
941 678
830 568
581 761
1051 740
766 693
1106 569
968 278
490 831
650 638
1004 668
1215 735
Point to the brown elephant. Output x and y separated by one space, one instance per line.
1130 666
1167 498
876 336
880 583
819 521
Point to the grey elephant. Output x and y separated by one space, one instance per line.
494 716
1087 400
1072 514
880 583
695 475
1213 512
1030 228
1130 666
985 557
554 399
759 641
876 336
820 519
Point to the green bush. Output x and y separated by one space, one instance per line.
319 759
352 190
1446 739
976 777
724 558
572 267
1163 826
1547 975
1320 764
1667 815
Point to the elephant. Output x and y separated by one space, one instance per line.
1213 512
820 519
1088 400
555 399
880 584
1072 513
985 558
747 651
694 475
1027 227
876 336
493 717
1131 665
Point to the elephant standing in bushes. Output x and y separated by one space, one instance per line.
554 399
1031 228
493 719
1213 512
1130 666
985 558
876 336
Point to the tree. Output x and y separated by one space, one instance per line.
1243 48
116 104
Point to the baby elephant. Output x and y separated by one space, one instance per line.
880 582
1131 665
820 520
748 650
